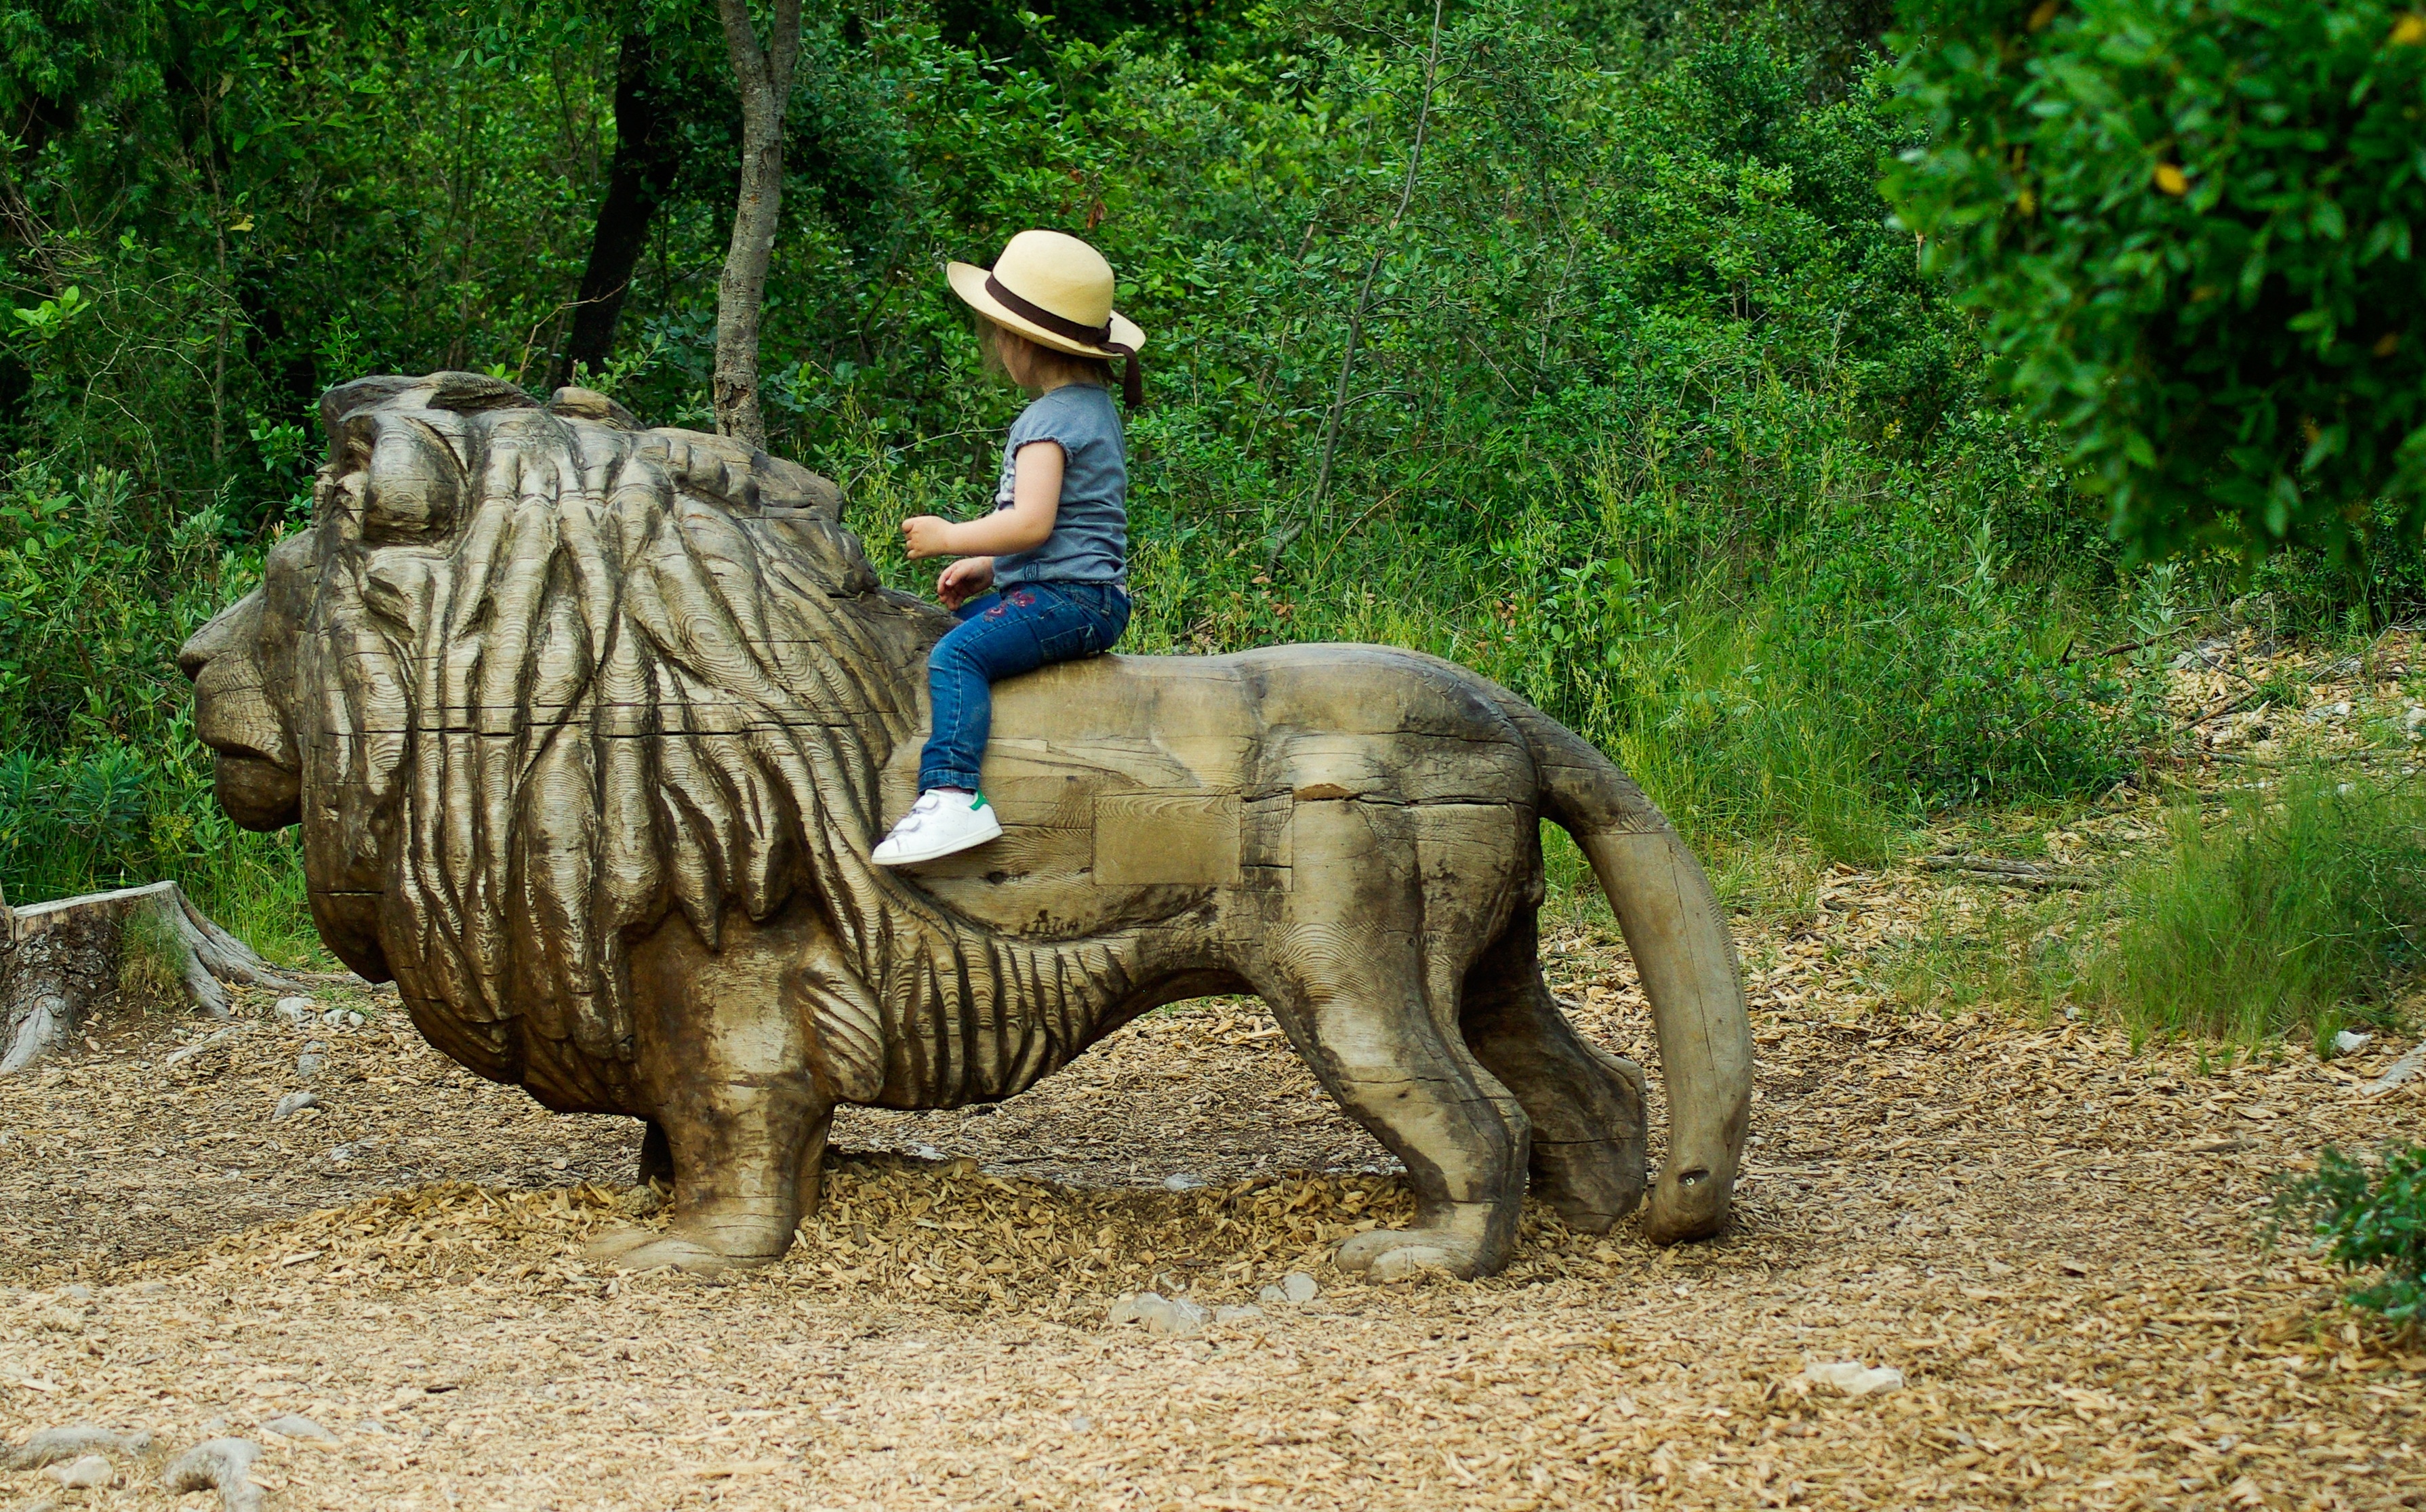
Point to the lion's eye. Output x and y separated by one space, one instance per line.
413 489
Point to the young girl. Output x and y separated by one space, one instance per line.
1055 549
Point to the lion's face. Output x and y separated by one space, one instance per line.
249 705
243 667
252 707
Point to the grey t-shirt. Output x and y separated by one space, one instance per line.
1090 532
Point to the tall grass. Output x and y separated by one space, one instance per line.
117 817
2296 913
2293 911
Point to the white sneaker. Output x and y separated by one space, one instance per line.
939 823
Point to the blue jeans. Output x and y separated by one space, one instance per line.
1002 635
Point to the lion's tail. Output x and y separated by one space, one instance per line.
1678 935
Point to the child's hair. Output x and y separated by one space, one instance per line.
1047 367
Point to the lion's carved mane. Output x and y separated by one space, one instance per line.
581 675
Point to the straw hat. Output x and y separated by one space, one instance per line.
1055 291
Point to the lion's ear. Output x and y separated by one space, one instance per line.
589 404
784 484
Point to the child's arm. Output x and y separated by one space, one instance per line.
1035 502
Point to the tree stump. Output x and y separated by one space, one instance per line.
58 957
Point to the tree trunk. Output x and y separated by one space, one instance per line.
637 179
56 958
1338 416
763 82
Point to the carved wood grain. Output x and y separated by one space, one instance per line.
1166 839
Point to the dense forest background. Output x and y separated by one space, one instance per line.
1567 338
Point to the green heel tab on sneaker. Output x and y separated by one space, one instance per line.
977 802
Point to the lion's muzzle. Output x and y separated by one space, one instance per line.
255 772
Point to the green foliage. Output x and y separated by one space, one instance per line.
1797 640
98 584
251 199
2296 913
2365 1220
1651 416
2190 227
102 781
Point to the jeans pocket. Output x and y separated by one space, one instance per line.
1078 620
1108 616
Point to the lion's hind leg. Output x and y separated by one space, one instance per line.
1373 1047
1377 1019
1586 1105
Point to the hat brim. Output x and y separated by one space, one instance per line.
968 281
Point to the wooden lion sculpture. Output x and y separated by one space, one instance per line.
590 729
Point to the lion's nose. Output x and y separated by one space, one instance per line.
225 629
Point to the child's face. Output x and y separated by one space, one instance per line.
1013 355
1018 359
1034 368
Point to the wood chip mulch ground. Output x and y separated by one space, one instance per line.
2057 1242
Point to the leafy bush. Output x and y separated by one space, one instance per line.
1650 416
2300 910
117 816
2366 1220
1794 637
99 583
102 781
2191 226
2376 578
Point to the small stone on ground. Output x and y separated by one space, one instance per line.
296 1425
1161 1315
91 1472
1854 1379
293 1103
224 1465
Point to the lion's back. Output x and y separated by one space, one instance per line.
1131 788
1236 723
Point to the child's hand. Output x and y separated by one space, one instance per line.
964 580
924 535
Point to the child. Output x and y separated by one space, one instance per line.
1054 548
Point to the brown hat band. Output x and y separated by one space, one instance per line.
1132 377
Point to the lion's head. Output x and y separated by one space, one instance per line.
534 677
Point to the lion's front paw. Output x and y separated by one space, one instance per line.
694 1253
1396 1254
674 1252
611 1245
